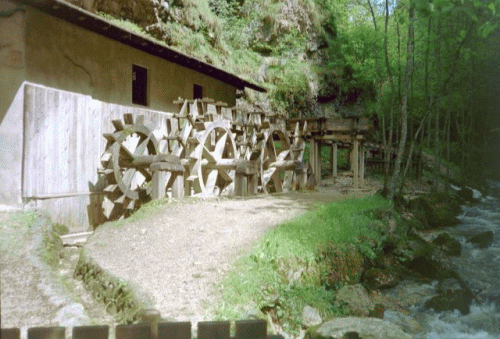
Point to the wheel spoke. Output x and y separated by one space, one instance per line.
267 175
219 147
278 185
271 148
211 181
125 153
145 172
141 146
128 177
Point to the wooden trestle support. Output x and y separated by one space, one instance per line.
208 150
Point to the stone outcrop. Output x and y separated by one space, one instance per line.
310 317
357 300
365 328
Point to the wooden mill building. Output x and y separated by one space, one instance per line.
65 73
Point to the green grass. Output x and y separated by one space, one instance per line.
13 232
283 272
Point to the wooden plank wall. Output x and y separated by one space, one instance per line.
62 151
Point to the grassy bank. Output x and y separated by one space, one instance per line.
303 262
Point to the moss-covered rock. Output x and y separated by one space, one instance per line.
380 278
482 240
447 244
437 210
450 300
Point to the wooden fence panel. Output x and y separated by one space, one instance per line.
140 331
63 145
246 329
10 333
213 330
251 329
47 333
177 330
91 332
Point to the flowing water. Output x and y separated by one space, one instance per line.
480 270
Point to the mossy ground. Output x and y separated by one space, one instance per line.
304 261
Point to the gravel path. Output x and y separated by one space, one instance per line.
33 293
178 255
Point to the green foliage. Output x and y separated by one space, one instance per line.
287 268
291 95
52 243
126 24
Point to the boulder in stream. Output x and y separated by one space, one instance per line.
451 300
453 294
482 240
447 244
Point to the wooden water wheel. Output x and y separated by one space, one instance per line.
276 159
129 152
212 160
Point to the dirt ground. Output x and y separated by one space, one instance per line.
177 256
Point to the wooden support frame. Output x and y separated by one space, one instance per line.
362 164
334 160
355 163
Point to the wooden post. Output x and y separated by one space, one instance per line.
159 184
318 162
355 162
152 317
240 185
312 155
167 168
245 181
362 164
178 185
334 160
252 182
300 173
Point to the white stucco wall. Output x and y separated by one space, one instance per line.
62 55
12 75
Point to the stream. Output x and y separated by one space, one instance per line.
480 270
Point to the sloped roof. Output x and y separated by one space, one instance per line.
96 24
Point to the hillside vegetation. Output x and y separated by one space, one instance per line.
424 71
292 48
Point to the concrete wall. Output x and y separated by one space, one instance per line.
12 75
62 55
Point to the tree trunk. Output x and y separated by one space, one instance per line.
388 148
437 162
410 153
426 81
404 103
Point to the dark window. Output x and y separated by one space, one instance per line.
139 85
197 92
